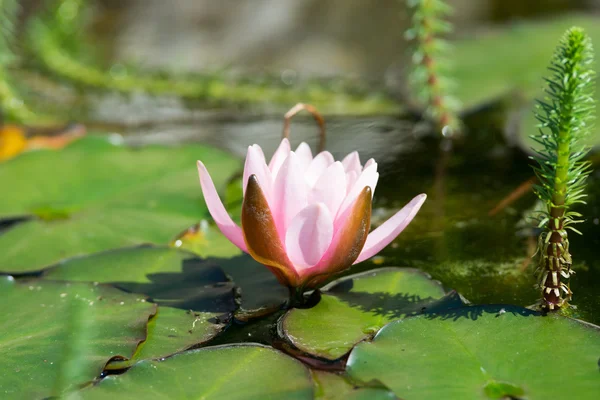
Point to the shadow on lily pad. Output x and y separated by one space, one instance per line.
200 286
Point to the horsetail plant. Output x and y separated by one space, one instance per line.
566 116
429 77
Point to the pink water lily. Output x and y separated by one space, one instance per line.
306 218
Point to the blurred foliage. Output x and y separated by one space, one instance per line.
430 77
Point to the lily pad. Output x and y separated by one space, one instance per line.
94 196
483 352
170 277
221 372
330 386
196 298
356 307
171 331
56 336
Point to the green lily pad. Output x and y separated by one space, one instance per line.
107 197
56 336
483 352
171 331
356 307
221 372
330 386
196 299
170 277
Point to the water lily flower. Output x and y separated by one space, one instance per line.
306 218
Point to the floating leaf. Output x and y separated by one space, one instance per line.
55 336
483 352
106 196
206 241
168 276
171 331
222 372
330 386
356 307
196 297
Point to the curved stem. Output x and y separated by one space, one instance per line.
287 119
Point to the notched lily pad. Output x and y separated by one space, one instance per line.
223 372
195 296
356 307
56 336
96 196
330 386
483 352
171 331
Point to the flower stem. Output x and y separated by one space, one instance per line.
296 298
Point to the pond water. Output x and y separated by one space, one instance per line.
457 237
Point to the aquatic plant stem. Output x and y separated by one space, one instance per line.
296 298
565 118
429 76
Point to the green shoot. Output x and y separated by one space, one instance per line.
566 116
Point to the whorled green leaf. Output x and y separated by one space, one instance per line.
331 386
356 307
170 277
222 372
94 196
483 352
56 336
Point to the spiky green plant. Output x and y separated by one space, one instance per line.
565 116
429 78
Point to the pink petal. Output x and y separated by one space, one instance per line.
217 210
368 177
351 178
391 228
282 152
318 166
330 189
309 236
352 162
369 162
289 193
256 165
304 155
